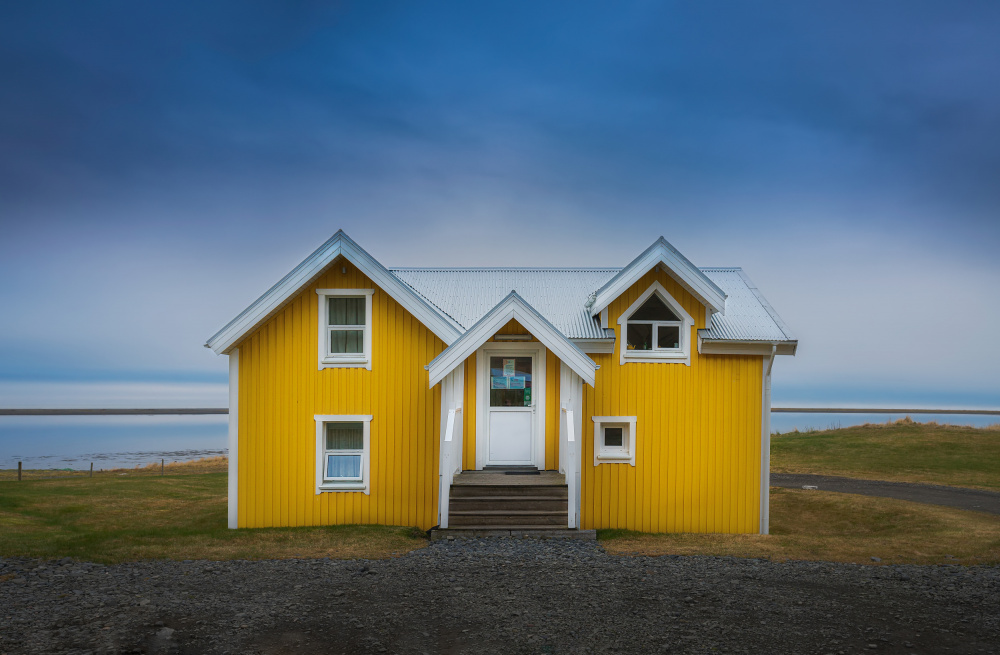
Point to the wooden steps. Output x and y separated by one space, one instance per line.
493 500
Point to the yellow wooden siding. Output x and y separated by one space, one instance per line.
281 390
469 414
697 436
552 410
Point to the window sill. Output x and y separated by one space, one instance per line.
615 459
342 486
652 356
345 362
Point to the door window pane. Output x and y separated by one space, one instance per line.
668 336
510 382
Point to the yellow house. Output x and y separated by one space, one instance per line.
503 398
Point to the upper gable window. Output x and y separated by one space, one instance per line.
345 328
655 328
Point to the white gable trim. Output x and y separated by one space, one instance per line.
512 307
677 266
339 245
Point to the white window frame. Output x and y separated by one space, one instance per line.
324 485
348 360
624 454
680 355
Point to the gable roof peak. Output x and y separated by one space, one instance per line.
678 267
513 306
339 245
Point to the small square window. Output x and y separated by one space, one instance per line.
614 440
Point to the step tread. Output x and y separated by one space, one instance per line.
548 499
508 512
509 527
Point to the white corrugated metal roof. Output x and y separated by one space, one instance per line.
749 317
561 294
558 294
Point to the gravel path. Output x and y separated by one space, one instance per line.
978 500
497 596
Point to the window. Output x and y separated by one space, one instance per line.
614 440
655 328
345 328
342 453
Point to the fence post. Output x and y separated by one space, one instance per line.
91 469
19 471
161 468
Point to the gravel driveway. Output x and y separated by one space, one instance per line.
497 596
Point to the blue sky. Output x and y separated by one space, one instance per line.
162 164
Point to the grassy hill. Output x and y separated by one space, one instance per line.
904 450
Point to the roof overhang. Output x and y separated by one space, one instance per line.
512 307
677 266
734 347
339 245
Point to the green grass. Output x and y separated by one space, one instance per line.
833 527
173 517
904 451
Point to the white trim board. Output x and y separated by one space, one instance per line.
234 438
512 307
676 265
339 245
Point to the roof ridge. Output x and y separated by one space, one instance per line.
452 269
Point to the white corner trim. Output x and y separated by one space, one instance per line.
344 361
682 356
604 458
765 445
234 438
324 486
311 268
512 307
676 265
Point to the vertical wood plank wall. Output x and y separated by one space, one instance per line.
281 390
698 436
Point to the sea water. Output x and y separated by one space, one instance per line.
74 442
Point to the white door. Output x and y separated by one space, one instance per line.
511 410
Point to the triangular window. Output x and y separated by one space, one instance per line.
654 309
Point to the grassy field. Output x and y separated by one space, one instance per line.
115 519
819 525
204 465
903 450
131 514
